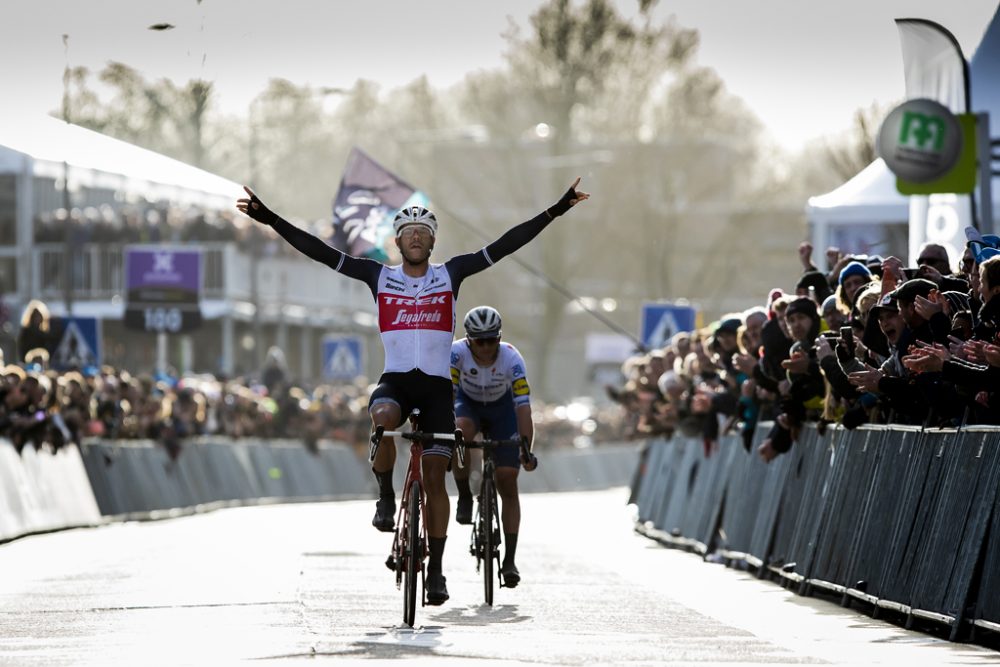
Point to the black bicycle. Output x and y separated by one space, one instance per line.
409 542
486 533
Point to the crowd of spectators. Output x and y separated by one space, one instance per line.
44 407
157 223
866 340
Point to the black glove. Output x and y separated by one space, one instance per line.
259 212
562 205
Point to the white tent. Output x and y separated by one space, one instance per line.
870 196
869 205
40 146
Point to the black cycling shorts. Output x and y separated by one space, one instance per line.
430 394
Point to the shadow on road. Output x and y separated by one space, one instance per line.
481 614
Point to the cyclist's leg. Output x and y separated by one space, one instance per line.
473 457
510 503
508 465
388 415
438 505
510 515
437 415
386 409
435 467
467 422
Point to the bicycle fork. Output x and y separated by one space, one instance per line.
396 561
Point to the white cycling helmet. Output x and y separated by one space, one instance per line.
414 215
482 322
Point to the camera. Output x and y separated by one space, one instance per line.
847 339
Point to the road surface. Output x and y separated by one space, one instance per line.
305 583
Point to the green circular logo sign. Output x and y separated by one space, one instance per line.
920 140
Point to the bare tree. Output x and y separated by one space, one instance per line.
851 151
587 73
161 115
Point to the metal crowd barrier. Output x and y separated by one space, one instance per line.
137 479
899 518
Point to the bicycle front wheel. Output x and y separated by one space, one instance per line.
413 554
487 511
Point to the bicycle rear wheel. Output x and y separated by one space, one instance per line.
487 510
413 555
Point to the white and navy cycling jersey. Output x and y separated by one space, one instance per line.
488 384
416 315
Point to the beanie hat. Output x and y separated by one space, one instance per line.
817 281
729 325
958 301
985 254
806 306
854 269
773 296
803 305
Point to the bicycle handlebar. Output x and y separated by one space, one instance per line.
419 436
522 442
415 436
490 444
456 437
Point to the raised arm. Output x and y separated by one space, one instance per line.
314 248
515 237
522 234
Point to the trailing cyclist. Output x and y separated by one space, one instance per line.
415 302
491 387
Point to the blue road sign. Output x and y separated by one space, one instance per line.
77 343
343 357
661 320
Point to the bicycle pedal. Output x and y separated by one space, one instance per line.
390 563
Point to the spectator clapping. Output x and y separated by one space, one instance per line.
866 341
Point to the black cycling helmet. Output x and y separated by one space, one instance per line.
482 322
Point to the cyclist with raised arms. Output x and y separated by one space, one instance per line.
416 313
491 386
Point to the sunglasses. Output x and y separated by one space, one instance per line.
485 341
410 232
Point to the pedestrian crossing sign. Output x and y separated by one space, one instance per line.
661 320
343 357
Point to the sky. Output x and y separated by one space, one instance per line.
803 66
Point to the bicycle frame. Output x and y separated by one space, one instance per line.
409 543
399 542
486 530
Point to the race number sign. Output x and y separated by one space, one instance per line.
163 287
